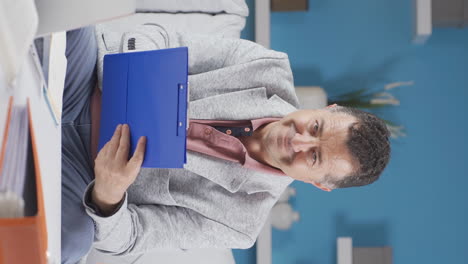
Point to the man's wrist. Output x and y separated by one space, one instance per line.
106 207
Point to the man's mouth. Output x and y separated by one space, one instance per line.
284 142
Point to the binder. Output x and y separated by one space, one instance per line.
24 239
148 90
5 132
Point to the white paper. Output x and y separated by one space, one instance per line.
56 72
11 205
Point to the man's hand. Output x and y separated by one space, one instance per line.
114 173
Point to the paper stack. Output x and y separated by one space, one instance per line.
13 173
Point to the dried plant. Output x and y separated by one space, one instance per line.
370 100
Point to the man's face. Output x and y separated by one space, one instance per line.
310 146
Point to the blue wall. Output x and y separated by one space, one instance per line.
419 207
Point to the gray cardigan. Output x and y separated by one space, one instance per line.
211 202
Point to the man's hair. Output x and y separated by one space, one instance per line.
368 142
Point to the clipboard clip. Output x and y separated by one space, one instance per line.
182 106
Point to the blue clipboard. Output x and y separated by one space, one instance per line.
148 90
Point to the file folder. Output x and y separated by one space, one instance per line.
23 240
148 90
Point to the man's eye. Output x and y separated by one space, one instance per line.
316 127
314 157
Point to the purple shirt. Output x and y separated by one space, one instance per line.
204 138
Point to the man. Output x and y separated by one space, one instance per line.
246 143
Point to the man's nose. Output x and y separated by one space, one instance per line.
303 142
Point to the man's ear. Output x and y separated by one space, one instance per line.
333 105
320 186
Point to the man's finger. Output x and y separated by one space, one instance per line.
139 154
115 140
103 151
124 146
